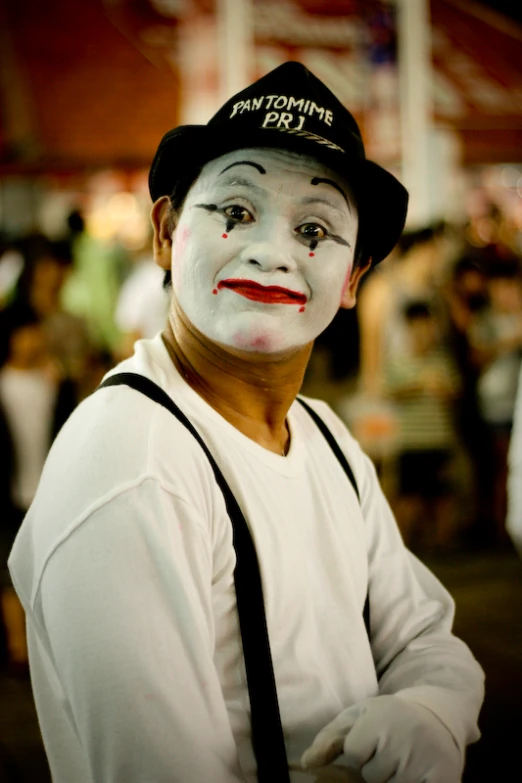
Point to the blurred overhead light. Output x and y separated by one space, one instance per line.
510 176
173 8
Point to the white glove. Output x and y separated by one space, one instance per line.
390 740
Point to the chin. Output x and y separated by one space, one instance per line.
260 340
267 336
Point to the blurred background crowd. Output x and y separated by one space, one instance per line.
425 371
432 384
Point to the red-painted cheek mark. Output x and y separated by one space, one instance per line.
180 242
301 309
311 255
224 236
214 291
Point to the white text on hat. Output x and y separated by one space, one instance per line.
306 106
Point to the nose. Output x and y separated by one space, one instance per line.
269 256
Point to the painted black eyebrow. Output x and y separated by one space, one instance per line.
339 240
245 163
317 180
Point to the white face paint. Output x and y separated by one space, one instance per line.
263 250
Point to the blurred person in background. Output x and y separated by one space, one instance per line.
11 265
495 233
143 302
91 291
422 381
131 570
496 340
47 267
410 275
465 296
514 481
35 400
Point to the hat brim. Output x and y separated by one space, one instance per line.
382 200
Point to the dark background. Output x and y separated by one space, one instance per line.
511 8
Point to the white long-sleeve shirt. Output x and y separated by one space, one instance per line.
125 564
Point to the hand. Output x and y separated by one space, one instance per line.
390 740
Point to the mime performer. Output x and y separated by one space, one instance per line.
149 659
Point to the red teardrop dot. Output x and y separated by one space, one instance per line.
224 236
214 291
311 254
301 309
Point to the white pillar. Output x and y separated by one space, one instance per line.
415 64
215 57
197 58
236 46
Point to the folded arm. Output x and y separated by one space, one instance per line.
431 687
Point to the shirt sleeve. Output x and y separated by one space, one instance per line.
126 602
416 655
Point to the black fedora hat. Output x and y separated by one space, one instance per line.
291 109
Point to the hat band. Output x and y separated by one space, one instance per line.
311 136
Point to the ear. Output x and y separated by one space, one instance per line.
349 293
161 218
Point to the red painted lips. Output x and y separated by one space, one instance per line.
271 294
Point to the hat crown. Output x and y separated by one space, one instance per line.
291 100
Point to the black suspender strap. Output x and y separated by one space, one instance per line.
267 731
333 445
349 472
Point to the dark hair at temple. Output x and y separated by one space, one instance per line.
360 255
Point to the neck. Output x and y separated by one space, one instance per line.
253 393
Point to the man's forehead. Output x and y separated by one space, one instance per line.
251 164
272 160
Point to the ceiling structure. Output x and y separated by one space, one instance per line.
478 79
95 83
75 93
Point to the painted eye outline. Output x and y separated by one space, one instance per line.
234 220
312 240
